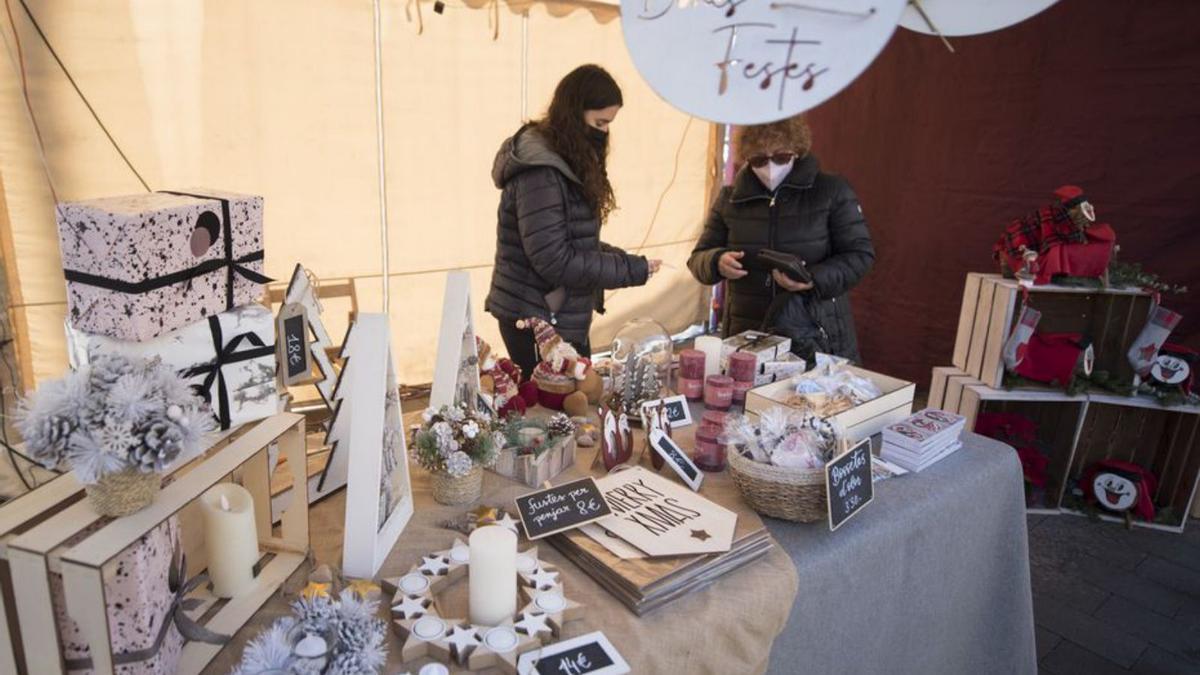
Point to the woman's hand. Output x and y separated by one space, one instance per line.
729 266
654 264
788 284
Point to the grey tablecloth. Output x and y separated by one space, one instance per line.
932 577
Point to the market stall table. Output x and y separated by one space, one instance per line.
933 577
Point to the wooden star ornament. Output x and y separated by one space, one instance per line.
500 646
557 607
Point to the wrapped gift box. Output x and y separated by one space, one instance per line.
866 419
141 605
787 366
144 265
229 358
765 346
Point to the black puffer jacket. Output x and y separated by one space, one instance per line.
550 262
812 215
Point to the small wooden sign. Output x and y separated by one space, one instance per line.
678 412
676 458
662 518
590 654
560 508
291 331
848 484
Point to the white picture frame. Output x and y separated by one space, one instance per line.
456 371
379 498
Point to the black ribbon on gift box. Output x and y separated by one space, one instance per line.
757 341
225 354
176 615
233 266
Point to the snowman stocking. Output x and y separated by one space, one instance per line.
1145 347
1018 341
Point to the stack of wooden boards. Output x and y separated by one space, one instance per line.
1076 430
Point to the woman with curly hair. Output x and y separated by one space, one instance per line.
550 262
781 201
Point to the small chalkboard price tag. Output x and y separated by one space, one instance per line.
291 333
848 484
676 458
562 507
678 412
590 654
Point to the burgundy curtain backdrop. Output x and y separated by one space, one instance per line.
944 149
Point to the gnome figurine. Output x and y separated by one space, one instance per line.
500 380
564 379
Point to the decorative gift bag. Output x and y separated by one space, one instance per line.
141 606
143 265
229 358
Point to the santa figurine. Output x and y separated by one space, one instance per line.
500 380
564 380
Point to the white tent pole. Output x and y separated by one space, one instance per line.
383 217
525 66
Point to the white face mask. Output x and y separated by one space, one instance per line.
773 174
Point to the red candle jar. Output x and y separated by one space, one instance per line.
710 451
692 389
713 418
740 389
742 366
691 365
718 392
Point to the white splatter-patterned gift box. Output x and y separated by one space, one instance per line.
143 265
230 357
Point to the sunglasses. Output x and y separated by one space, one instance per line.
780 158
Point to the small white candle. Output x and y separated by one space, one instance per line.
231 538
493 575
711 346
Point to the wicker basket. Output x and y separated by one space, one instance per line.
452 491
120 494
780 492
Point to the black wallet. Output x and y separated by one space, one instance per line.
787 263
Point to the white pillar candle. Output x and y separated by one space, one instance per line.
231 538
711 346
493 575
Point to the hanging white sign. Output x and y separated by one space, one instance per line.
969 17
754 61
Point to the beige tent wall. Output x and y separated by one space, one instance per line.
276 98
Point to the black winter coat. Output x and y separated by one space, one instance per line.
550 262
812 215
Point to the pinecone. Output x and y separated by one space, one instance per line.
359 647
47 441
106 370
161 443
560 425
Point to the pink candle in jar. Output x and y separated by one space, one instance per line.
713 418
692 389
710 451
740 389
743 366
718 392
691 364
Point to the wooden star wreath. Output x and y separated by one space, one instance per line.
416 618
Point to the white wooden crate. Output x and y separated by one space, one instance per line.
863 421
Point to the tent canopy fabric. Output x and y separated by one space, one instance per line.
277 98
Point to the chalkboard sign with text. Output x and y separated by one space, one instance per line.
590 654
562 507
848 483
292 336
676 458
678 412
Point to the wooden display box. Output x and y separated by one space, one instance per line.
533 471
991 307
49 548
1164 440
863 421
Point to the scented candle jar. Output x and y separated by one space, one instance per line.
743 366
740 389
692 389
709 454
691 364
718 392
713 418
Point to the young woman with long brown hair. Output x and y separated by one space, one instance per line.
555 194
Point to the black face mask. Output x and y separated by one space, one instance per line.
598 138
